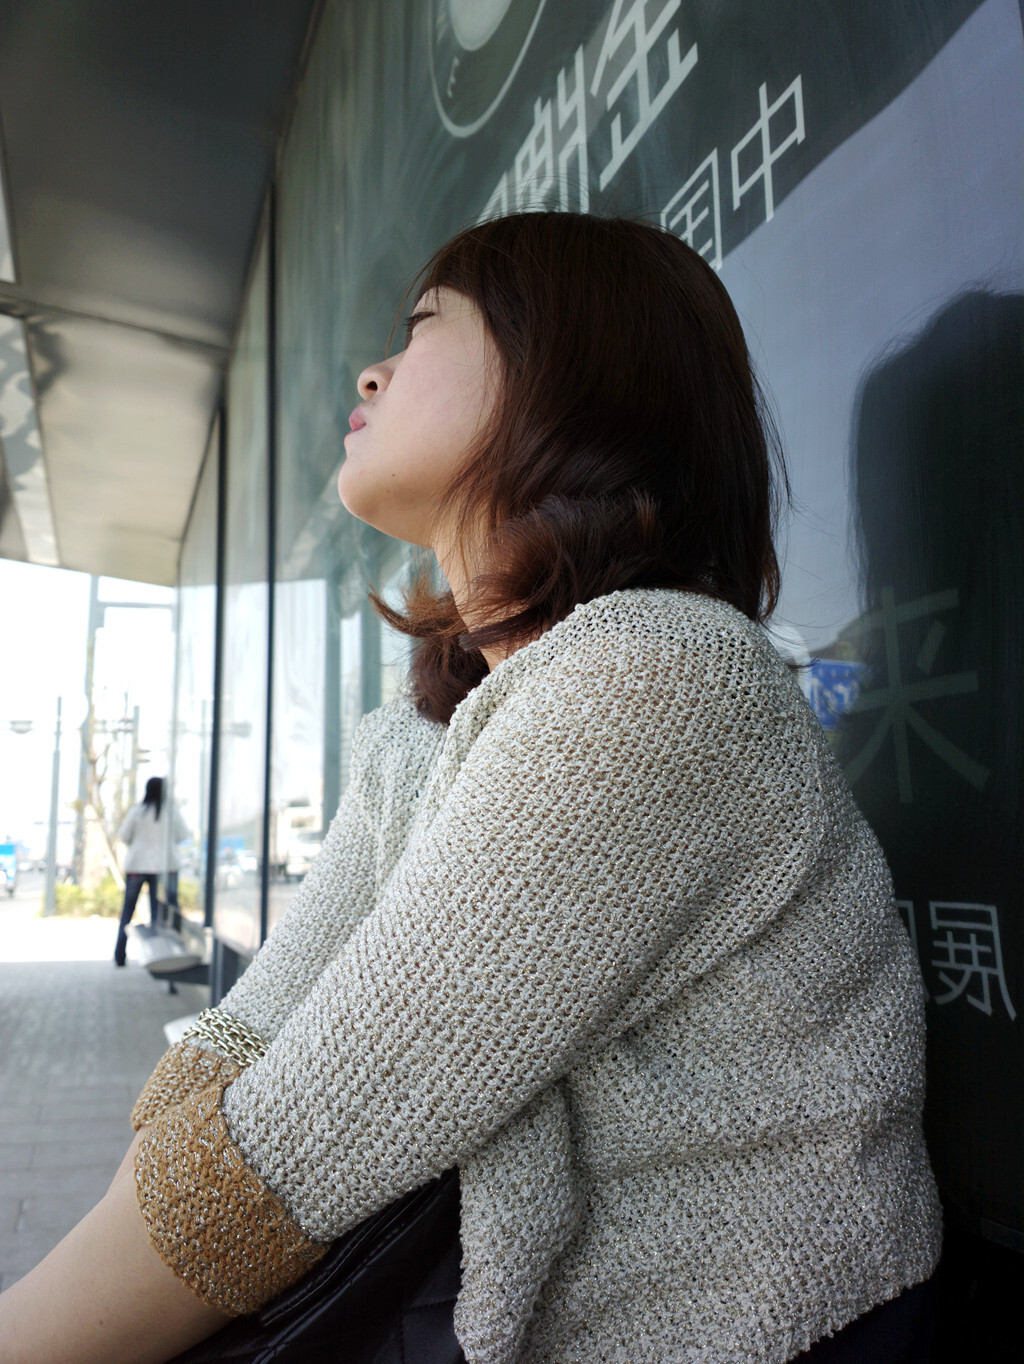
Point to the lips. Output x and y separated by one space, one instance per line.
356 420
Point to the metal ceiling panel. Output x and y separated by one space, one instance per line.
138 142
22 448
126 415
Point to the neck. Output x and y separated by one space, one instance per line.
459 575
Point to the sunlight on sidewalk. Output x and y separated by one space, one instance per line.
26 937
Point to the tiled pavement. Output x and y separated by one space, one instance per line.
78 1038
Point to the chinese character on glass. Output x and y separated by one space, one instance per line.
550 169
571 117
765 151
497 206
629 42
695 214
965 938
900 699
534 167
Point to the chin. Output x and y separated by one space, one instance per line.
370 511
349 493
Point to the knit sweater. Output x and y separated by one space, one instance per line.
618 943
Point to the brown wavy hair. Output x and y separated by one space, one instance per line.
629 446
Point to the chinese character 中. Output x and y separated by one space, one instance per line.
695 212
899 699
969 946
769 153
628 43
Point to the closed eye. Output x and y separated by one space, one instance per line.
412 321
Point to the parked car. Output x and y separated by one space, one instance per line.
8 867
303 848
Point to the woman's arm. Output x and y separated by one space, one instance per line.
127 830
392 754
103 1295
334 896
605 840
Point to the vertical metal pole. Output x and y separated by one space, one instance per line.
170 785
133 763
50 902
271 409
84 768
210 831
332 709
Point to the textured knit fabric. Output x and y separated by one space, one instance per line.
191 1179
617 943
182 1071
150 846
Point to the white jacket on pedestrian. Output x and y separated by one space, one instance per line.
150 841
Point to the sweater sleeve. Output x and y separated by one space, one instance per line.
179 828
335 894
127 829
592 827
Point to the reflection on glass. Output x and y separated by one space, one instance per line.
197 619
333 661
350 698
246 618
395 648
297 745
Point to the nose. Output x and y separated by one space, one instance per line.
374 378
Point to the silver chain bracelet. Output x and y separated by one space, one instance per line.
231 1037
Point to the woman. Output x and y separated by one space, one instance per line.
151 853
597 922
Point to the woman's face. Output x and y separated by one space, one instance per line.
421 410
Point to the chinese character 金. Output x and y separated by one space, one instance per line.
628 43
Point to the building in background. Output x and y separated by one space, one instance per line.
853 171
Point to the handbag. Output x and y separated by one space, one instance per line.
383 1294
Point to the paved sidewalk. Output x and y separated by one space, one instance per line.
78 1038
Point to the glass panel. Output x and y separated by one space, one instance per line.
246 617
856 180
325 558
197 625
395 648
350 707
297 772
6 255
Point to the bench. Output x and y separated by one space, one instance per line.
181 955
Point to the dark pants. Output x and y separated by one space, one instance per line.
896 1332
133 883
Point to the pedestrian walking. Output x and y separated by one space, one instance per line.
151 832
